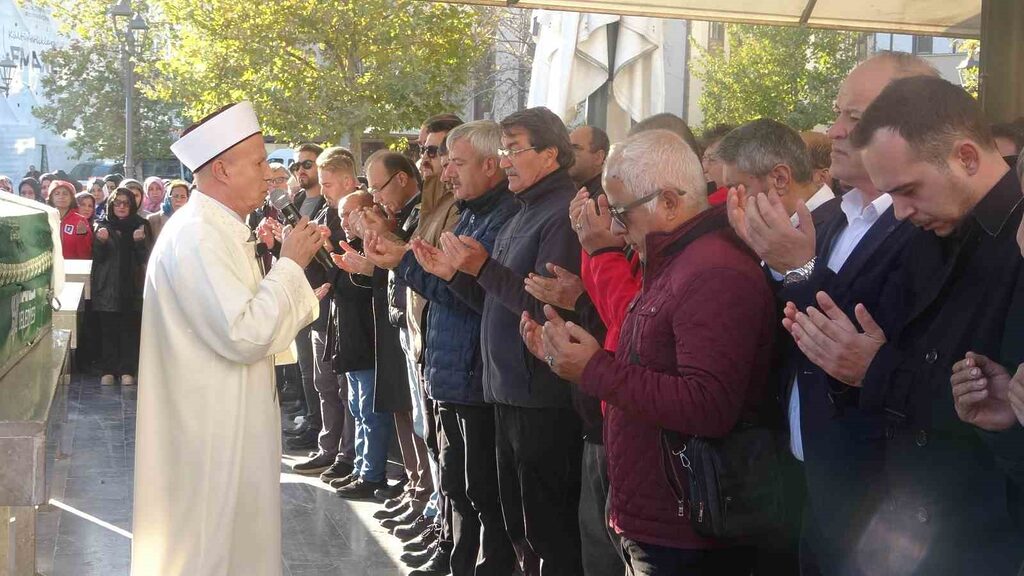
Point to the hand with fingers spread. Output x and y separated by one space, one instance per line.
322 291
433 260
530 331
265 233
302 241
832 342
576 205
562 290
383 252
352 261
762 222
373 220
464 252
567 347
981 393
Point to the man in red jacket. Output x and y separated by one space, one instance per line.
692 356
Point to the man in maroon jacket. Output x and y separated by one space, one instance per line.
693 354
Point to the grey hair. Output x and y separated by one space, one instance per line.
483 135
654 160
757 147
905 64
278 167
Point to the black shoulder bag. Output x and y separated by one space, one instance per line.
728 487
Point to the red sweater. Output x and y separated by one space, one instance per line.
693 356
75 236
612 282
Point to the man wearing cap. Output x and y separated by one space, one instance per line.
207 495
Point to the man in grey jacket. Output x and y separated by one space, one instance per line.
537 432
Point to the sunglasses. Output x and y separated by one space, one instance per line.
430 151
618 213
305 165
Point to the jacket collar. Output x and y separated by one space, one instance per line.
663 246
594 186
995 209
407 210
557 180
483 204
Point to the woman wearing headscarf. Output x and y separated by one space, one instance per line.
155 191
120 250
86 206
98 191
30 188
75 231
138 192
176 199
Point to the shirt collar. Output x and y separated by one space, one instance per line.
824 194
995 209
853 206
227 214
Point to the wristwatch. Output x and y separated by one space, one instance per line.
800 274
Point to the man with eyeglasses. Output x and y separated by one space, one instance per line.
537 433
310 201
693 354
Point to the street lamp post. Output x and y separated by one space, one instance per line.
135 25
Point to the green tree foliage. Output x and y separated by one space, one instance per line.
326 69
787 74
85 88
970 74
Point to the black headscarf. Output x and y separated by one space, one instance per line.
128 224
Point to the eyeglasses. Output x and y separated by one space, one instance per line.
121 204
618 213
374 191
430 151
278 181
305 165
507 153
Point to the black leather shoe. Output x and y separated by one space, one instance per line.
316 464
420 557
395 512
359 490
292 430
410 531
392 503
414 511
440 564
305 441
391 491
295 409
425 540
339 469
342 482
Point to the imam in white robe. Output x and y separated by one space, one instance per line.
208 429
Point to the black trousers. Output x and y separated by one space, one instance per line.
600 546
539 452
652 560
469 482
119 334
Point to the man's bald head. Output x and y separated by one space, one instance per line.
349 207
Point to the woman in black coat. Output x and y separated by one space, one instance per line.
120 249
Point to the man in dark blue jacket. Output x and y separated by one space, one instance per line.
537 432
453 370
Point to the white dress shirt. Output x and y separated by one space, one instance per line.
859 219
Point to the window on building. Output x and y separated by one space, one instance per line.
902 43
943 46
883 42
716 36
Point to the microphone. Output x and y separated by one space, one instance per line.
280 200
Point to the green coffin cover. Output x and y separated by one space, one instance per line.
26 270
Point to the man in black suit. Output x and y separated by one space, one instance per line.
852 256
949 504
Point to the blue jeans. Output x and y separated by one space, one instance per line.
372 429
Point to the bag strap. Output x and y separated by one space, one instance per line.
674 448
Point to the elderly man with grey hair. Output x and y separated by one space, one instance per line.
453 368
767 157
693 355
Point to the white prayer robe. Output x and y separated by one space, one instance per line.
208 430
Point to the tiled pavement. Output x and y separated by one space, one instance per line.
85 532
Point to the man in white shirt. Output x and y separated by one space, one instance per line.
851 258
208 456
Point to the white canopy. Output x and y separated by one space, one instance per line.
957 18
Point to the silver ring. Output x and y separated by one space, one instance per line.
550 360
